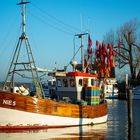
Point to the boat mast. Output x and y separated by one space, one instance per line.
82 49
31 63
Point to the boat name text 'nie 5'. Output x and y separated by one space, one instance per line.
9 102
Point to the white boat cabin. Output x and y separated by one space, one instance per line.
73 84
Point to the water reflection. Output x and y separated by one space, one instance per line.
72 133
117 120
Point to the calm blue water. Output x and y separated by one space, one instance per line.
115 129
118 121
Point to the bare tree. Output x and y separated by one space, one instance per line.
109 38
128 50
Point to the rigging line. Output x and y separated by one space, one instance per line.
56 19
23 75
54 27
13 47
74 56
75 53
17 38
45 19
7 34
36 49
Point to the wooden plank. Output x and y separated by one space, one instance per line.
48 107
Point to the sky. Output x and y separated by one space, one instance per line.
52 24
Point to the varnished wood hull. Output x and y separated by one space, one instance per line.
22 112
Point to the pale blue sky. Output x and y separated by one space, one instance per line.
51 25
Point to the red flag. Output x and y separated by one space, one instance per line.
111 52
89 49
110 56
89 40
104 51
97 49
97 44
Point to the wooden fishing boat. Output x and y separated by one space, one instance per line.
20 112
19 109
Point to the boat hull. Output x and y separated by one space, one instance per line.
22 112
20 119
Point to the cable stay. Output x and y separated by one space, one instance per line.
50 25
58 21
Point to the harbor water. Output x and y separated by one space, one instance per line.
115 129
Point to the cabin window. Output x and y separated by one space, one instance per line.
72 82
92 82
85 82
80 82
65 82
96 82
59 83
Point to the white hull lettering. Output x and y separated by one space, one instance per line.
9 102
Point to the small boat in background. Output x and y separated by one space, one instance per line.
136 92
110 88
